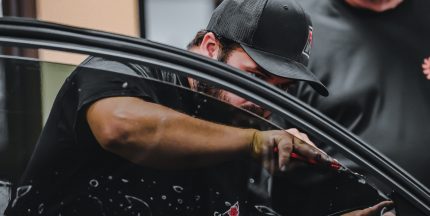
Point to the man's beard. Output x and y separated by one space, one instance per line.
210 90
219 93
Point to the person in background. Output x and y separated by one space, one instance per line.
370 54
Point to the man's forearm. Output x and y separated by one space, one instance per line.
153 135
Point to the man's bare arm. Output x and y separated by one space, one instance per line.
156 136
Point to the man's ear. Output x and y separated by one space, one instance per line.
210 46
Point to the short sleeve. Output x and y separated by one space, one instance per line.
93 84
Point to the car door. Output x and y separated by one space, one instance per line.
365 178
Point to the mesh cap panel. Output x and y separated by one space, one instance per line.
236 19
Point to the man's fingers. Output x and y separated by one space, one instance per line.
294 132
378 207
312 152
305 147
285 147
307 140
268 157
371 210
264 144
301 136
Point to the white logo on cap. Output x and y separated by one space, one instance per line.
308 46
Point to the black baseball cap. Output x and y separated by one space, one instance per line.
276 34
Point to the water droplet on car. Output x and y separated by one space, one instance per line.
266 210
40 208
124 85
180 201
110 177
362 181
94 183
197 197
99 202
131 200
205 100
178 189
228 204
20 192
124 180
79 90
163 197
251 180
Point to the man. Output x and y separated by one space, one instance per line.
110 147
372 61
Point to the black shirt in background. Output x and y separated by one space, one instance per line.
371 63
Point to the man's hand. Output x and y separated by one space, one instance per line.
264 143
375 5
374 210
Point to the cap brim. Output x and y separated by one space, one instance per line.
286 68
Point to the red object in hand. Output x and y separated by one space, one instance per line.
334 165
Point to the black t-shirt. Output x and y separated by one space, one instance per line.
70 174
371 63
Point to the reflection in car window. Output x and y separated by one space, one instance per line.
70 173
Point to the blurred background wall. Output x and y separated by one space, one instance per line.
170 22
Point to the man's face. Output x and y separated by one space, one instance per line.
238 58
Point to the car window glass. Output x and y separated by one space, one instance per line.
304 189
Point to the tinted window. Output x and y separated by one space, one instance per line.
304 189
